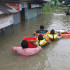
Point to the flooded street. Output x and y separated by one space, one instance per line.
55 56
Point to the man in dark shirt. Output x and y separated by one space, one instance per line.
41 30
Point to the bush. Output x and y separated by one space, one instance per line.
49 8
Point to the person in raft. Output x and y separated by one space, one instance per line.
42 31
25 51
40 37
55 35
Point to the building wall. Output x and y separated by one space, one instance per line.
23 14
33 12
39 11
16 17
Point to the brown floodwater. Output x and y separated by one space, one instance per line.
55 56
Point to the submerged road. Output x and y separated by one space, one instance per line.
55 56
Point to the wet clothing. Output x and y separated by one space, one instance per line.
26 51
41 31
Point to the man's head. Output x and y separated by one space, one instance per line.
40 37
24 44
41 27
52 31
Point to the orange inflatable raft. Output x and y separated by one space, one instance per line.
67 34
39 34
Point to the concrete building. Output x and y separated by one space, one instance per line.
13 12
31 10
9 15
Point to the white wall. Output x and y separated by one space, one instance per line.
6 20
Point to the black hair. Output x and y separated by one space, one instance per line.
24 44
40 37
41 27
52 31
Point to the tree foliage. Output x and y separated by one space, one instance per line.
66 1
